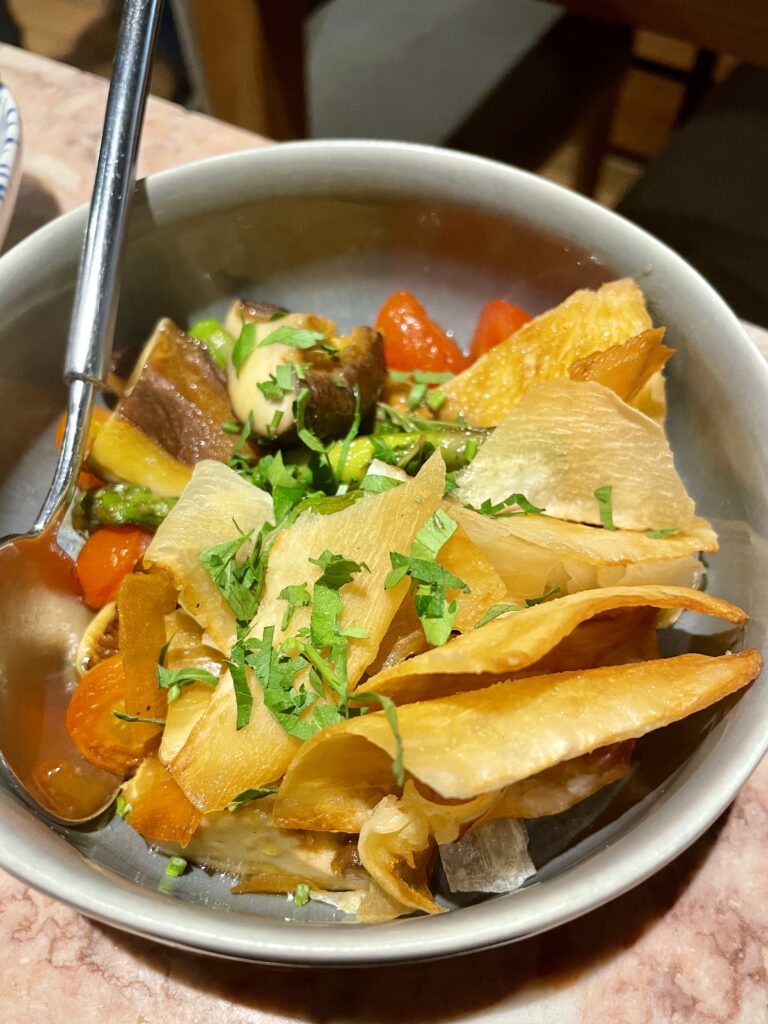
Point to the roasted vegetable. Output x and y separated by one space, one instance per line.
106 558
458 448
120 505
279 357
170 417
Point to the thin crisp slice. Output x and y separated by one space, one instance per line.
143 602
466 560
186 650
564 785
544 349
215 507
218 761
625 368
583 543
485 740
404 638
518 639
157 808
397 842
562 442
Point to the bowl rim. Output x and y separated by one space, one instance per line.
678 819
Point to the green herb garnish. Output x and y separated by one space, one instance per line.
668 531
604 499
495 612
301 894
430 579
138 718
306 435
375 483
531 601
175 867
122 807
503 508
244 345
248 795
295 337
297 596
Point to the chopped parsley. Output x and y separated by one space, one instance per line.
503 508
301 894
297 596
495 612
122 807
173 680
668 531
430 580
306 435
249 795
244 345
295 337
604 499
435 399
416 396
175 867
138 718
239 583
350 435
531 601
375 483
280 383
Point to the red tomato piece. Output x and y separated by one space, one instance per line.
413 341
498 319
106 557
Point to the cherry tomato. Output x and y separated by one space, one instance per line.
412 341
498 319
101 737
106 557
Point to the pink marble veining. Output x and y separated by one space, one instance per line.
688 947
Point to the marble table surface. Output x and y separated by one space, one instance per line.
688 947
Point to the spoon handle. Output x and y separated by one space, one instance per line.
93 314
91 329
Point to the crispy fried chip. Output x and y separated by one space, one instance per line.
544 349
627 367
186 650
157 807
485 740
565 440
217 762
578 541
398 840
519 639
215 507
466 560
562 786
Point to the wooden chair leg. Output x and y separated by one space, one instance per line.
248 58
594 141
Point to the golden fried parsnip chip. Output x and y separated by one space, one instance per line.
580 542
218 761
466 560
485 740
544 349
627 367
397 842
519 639
216 506
157 808
564 785
562 442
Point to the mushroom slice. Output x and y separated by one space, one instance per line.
301 354
170 417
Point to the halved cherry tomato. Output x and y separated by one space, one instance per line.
99 416
412 341
498 319
106 557
101 737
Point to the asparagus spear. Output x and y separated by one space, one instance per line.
216 339
120 505
458 447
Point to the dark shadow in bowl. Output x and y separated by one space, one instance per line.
440 990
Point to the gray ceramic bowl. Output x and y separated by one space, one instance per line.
335 227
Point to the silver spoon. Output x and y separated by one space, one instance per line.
41 615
